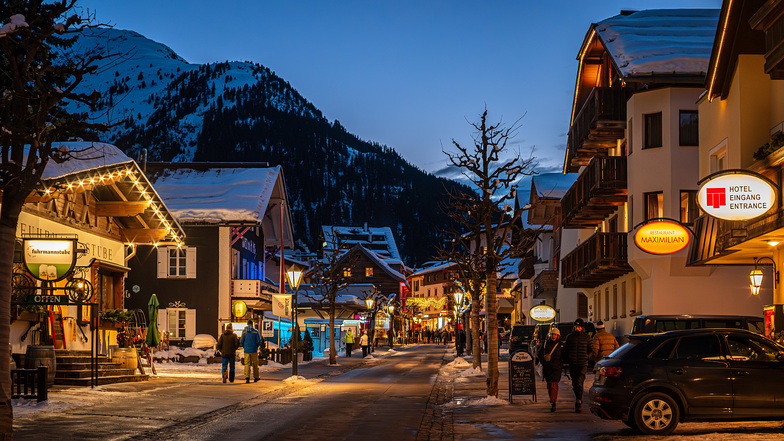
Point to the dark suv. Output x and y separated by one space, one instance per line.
521 337
658 380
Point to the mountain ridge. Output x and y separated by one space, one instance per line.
242 111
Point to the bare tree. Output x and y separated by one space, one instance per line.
328 276
39 73
488 218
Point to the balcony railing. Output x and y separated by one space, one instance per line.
714 237
597 126
601 258
546 282
596 193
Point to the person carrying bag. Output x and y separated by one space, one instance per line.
552 365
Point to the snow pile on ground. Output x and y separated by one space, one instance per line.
471 372
458 363
295 379
174 353
486 401
62 401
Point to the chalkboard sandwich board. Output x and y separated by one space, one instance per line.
522 380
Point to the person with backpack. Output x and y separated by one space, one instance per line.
251 341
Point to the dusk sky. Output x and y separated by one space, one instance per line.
406 74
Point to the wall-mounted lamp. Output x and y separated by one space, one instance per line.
756 276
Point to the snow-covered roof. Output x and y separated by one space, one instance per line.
434 268
217 194
378 239
350 295
86 156
553 185
660 41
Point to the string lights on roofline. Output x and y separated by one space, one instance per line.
146 191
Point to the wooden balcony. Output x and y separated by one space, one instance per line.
601 258
599 190
714 237
597 127
546 283
769 18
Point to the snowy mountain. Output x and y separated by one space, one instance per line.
243 112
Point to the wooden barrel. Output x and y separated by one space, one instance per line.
42 356
126 356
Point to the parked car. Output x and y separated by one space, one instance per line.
521 338
646 324
656 381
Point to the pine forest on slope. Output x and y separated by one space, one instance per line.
243 112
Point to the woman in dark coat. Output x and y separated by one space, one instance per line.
552 364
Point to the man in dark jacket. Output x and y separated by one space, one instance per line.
228 343
577 352
250 341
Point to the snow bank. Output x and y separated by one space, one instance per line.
472 372
486 401
295 379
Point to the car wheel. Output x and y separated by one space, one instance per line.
656 414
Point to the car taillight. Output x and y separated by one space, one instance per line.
613 372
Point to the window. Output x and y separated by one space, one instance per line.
750 349
615 302
664 351
689 209
179 322
699 347
597 300
525 292
654 205
416 285
607 303
177 262
623 299
235 264
369 271
629 138
653 130
347 272
718 157
689 131
582 305
630 214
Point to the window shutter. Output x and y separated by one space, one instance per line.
190 263
163 320
190 324
163 262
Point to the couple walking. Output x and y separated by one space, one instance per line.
577 350
228 343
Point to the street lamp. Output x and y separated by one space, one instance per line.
756 276
295 277
458 304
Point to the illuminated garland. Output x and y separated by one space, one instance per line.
141 184
431 303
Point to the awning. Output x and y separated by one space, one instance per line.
505 305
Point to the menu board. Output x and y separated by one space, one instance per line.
522 380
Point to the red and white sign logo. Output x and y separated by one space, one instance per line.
736 196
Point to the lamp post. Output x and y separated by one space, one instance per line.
458 304
369 303
295 277
755 277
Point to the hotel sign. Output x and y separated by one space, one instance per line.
662 237
49 260
542 313
736 195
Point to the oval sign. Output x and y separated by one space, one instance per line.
542 313
239 308
736 197
661 237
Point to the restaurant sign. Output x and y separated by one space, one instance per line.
736 195
662 237
49 260
542 313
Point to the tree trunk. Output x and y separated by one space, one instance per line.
333 359
477 342
9 216
491 322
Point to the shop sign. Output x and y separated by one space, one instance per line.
736 195
662 237
48 299
49 260
542 313
239 308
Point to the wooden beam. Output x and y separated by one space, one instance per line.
120 208
144 236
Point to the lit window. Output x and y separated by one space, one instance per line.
689 209
177 262
347 272
654 205
369 272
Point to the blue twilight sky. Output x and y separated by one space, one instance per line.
407 74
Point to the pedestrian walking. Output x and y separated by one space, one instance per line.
349 339
603 343
251 341
228 343
552 365
363 343
577 350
